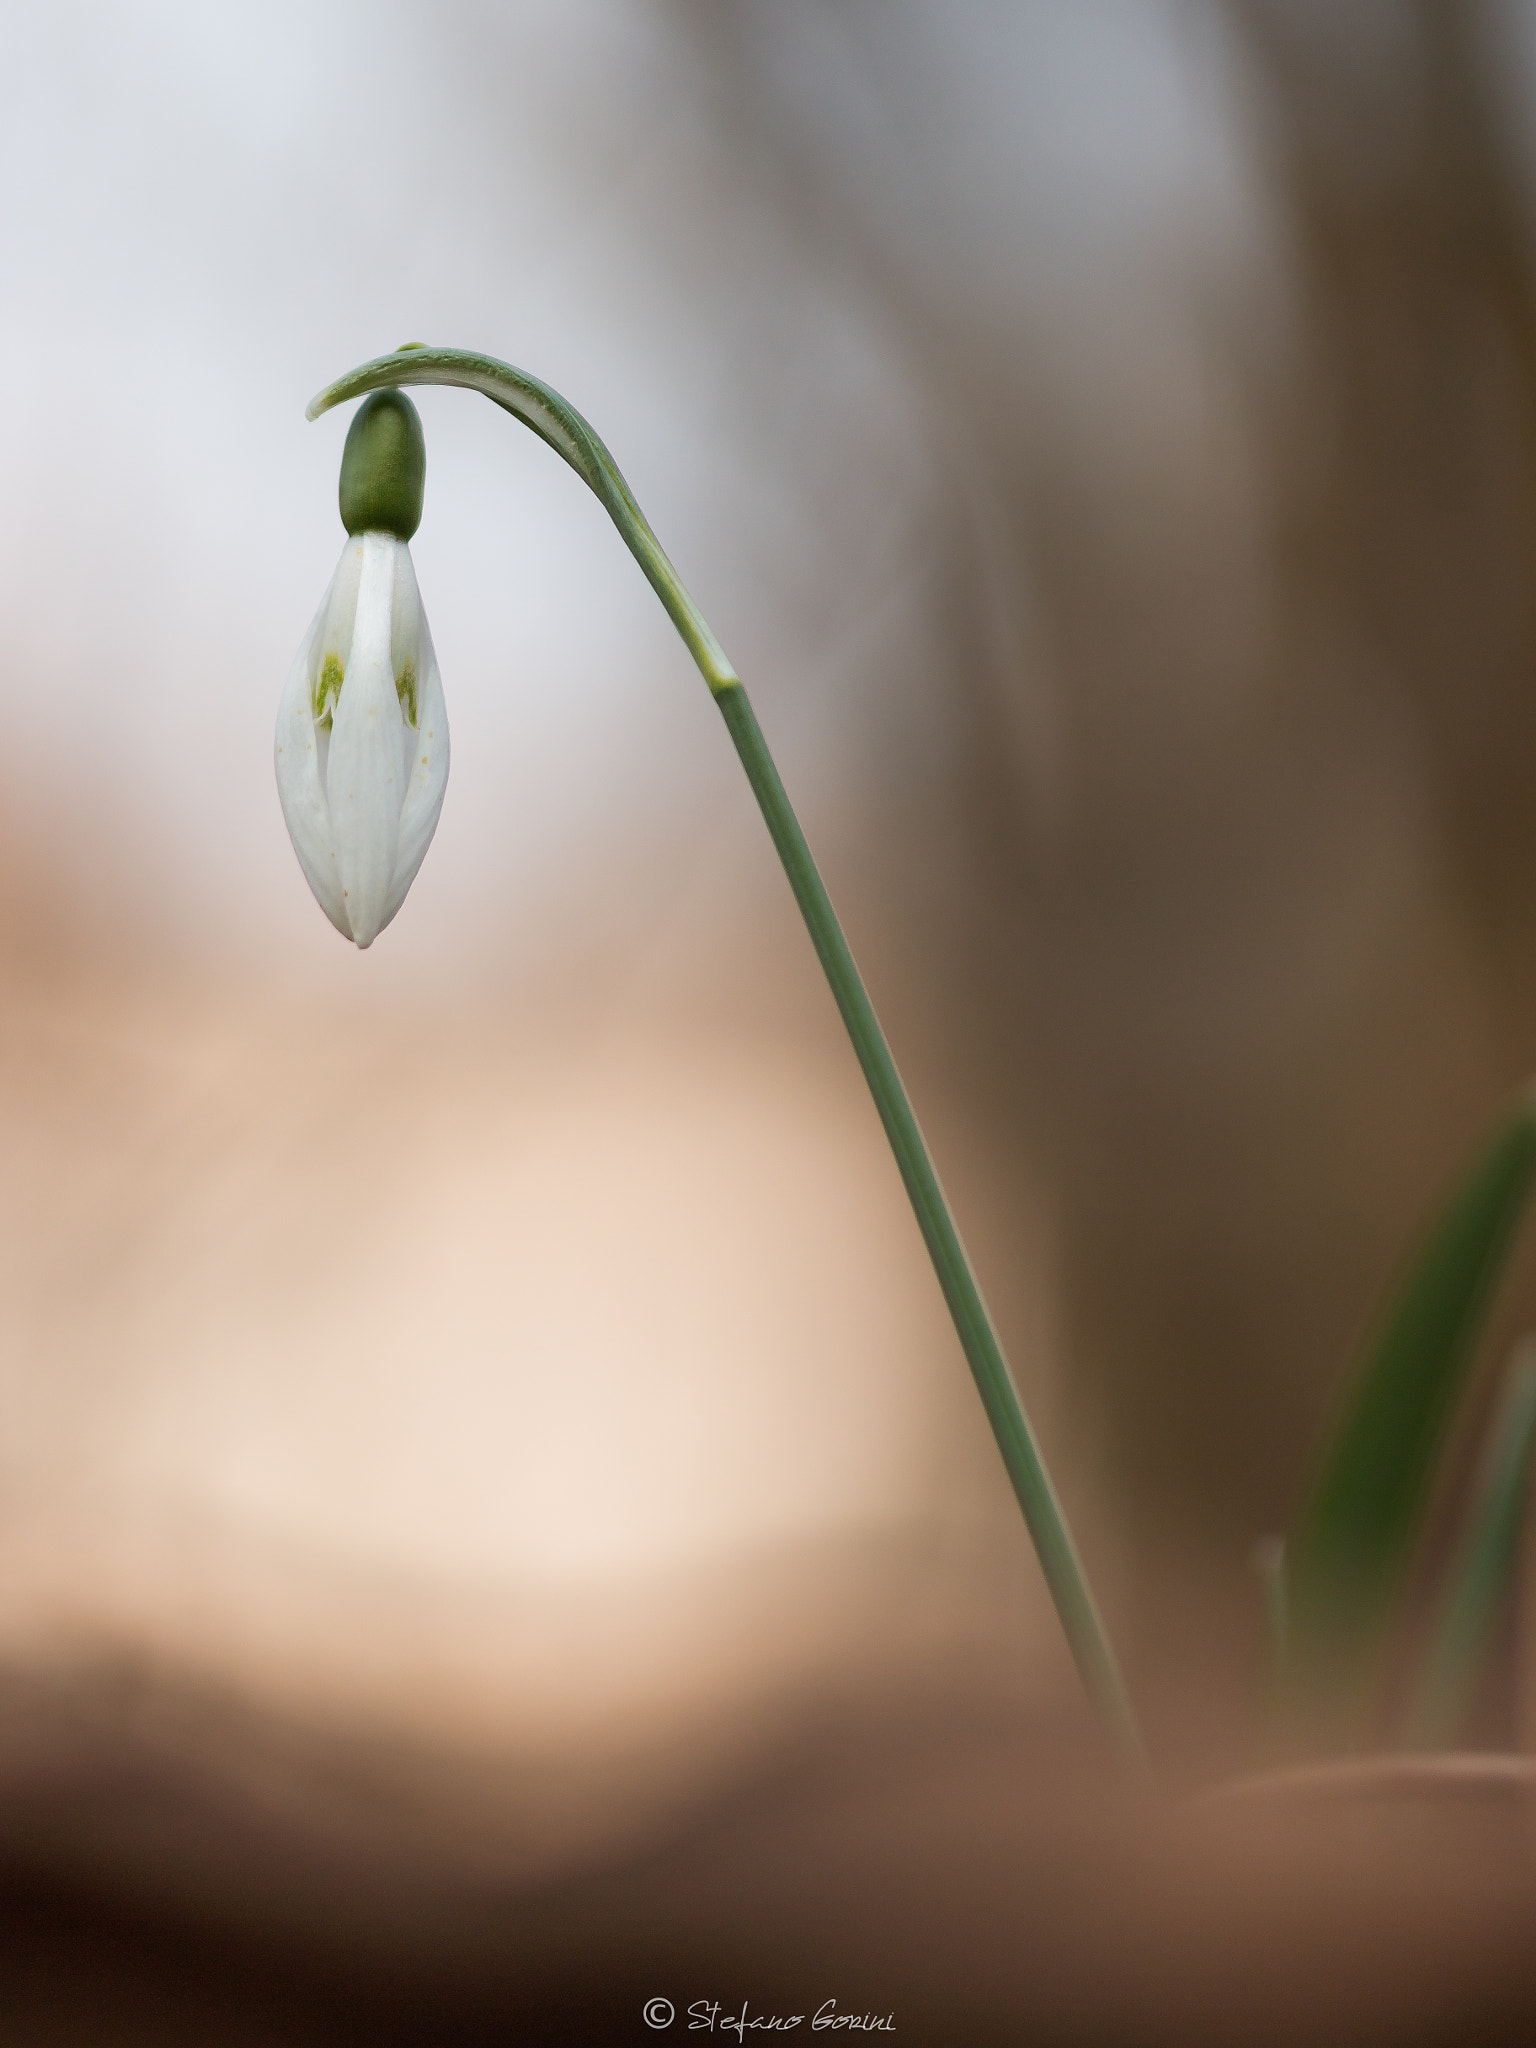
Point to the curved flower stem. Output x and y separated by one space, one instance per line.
558 423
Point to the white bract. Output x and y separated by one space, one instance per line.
362 739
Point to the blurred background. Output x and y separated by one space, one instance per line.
491 1511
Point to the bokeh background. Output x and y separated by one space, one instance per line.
490 1508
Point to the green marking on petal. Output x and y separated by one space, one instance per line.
405 690
328 689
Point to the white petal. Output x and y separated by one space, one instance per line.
427 777
341 601
426 751
365 771
300 777
407 622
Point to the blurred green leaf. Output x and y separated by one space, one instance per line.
1483 1570
1268 1559
1349 1548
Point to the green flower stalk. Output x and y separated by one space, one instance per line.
558 423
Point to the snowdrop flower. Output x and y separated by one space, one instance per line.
362 733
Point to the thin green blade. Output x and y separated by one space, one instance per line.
1484 1569
1350 1546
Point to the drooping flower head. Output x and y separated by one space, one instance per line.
362 732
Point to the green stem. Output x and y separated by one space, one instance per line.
1481 1577
558 423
